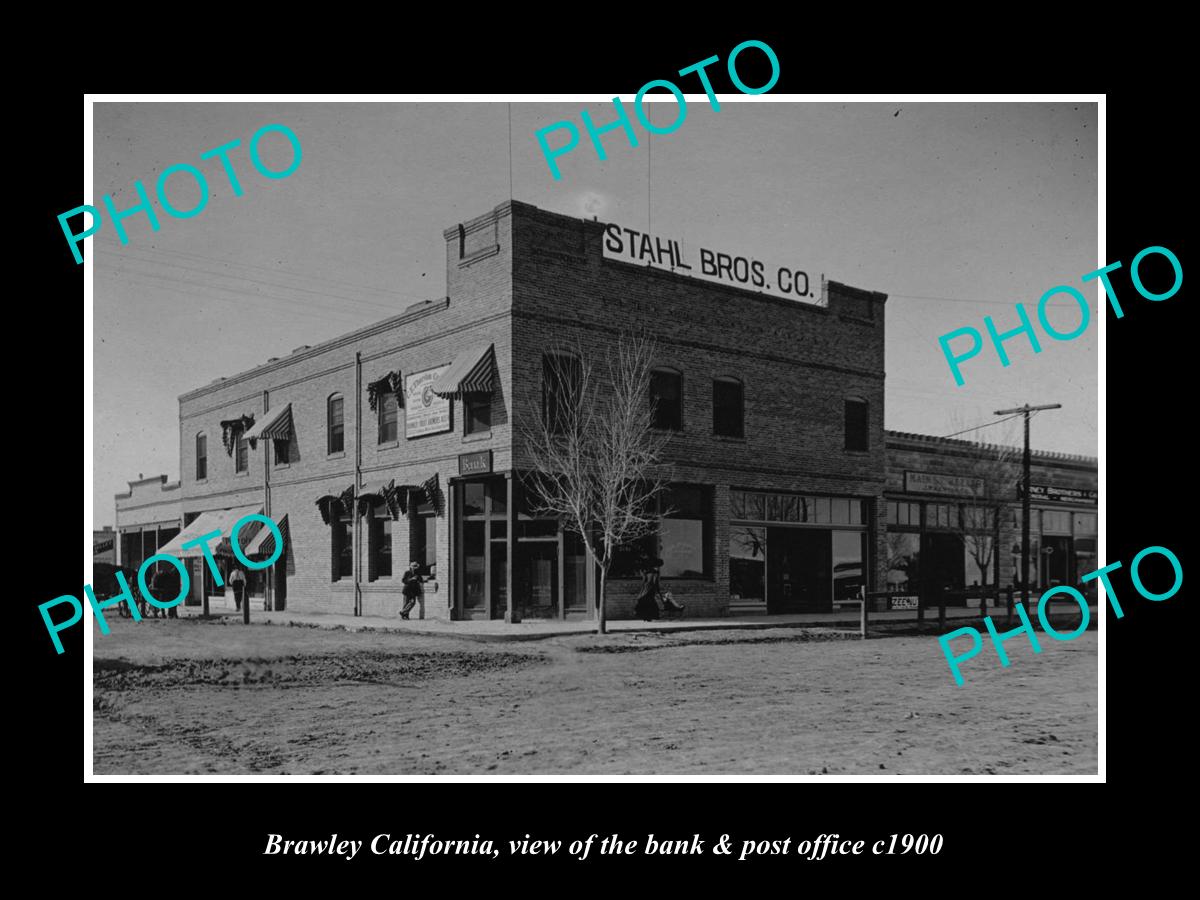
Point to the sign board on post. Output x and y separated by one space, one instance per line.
424 411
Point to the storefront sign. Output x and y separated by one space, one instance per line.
475 463
902 603
424 411
953 485
1061 494
665 253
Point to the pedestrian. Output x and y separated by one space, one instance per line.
237 581
412 588
171 587
157 588
646 605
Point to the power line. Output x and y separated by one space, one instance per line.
984 425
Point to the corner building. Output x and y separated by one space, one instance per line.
397 442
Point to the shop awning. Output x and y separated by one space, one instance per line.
221 520
263 543
470 373
276 424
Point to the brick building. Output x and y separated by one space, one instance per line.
954 516
395 442
148 516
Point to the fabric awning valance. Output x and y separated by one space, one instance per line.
333 505
276 424
471 372
263 543
221 520
231 428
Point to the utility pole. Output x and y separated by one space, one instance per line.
1025 484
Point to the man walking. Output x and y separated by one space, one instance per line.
237 581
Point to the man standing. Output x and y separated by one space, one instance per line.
237 581
412 588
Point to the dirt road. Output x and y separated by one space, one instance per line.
185 696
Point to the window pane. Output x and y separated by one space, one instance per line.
856 425
737 504
682 547
727 408
478 414
389 417
665 397
335 425
841 511
754 507
848 554
903 555
1056 522
474 565
242 460
893 513
1085 524
473 498
822 514
747 563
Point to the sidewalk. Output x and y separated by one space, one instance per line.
536 629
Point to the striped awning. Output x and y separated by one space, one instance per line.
470 373
221 520
276 424
263 543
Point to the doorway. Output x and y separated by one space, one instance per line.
798 570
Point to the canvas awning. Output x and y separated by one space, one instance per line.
276 424
471 373
263 543
221 520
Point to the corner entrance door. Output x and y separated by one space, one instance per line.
538 582
798 570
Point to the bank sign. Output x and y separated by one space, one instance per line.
629 245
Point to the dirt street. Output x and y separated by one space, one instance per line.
186 696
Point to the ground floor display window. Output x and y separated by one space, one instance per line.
797 553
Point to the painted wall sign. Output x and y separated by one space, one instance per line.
933 483
424 411
475 463
629 245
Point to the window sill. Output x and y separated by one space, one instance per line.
857 452
729 439
388 445
341 454
666 430
201 481
477 436
245 474
282 466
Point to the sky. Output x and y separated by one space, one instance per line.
955 211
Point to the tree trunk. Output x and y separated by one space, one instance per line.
601 622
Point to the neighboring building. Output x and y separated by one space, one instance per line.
148 516
954 516
104 545
775 410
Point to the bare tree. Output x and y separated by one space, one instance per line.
594 460
992 476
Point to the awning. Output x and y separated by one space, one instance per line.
221 520
332 506
470 373
276 424
263 543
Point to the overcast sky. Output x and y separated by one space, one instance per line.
956 211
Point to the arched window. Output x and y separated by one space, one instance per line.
857 428
666 399
728 411
201 456
335 428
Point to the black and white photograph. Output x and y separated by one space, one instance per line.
693 435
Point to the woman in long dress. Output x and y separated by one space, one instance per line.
646 606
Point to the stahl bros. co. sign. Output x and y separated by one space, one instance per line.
635 246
